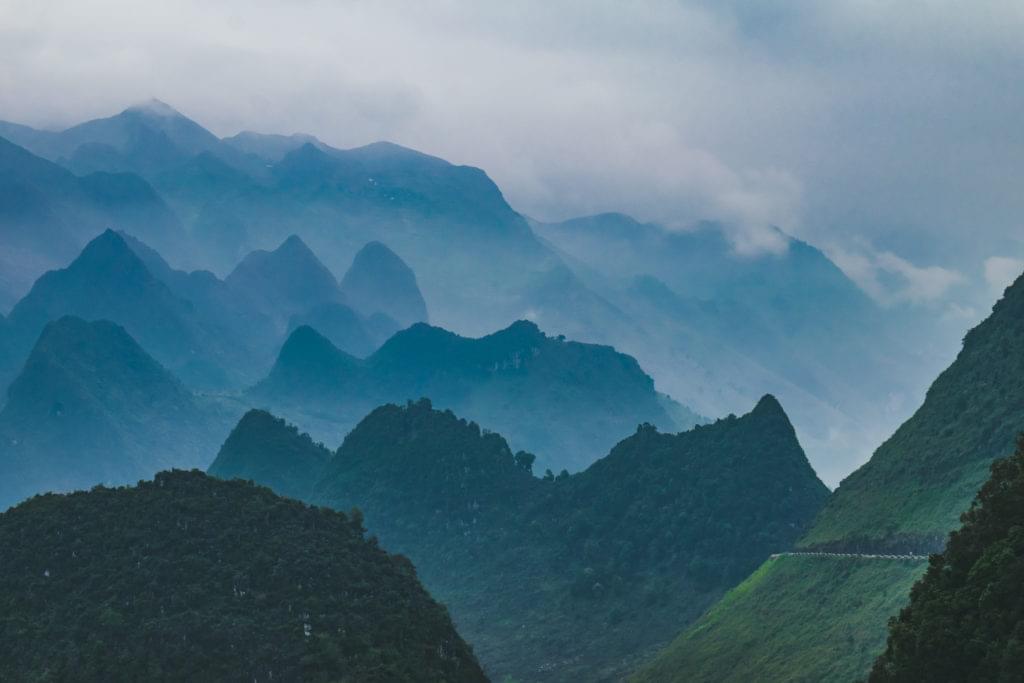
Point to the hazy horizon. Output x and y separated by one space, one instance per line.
883 135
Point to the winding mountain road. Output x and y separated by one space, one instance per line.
862 556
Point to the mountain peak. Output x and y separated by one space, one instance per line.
109 250
155 107
307 362
379 281
769 405
266 449
289 280
294 244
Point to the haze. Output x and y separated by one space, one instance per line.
886 134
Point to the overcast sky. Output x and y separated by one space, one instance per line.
891 134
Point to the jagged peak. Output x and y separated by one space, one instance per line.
769 405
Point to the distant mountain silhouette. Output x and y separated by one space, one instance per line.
536 389
380 282
47 214
286 281
89 407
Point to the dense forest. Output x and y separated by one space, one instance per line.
559 576
965 620
187 578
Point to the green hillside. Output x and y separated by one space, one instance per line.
965 620
190 578
568 577
797 618
915 486
295 463
906 498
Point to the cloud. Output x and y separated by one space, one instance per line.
1001 271
890 279
895 122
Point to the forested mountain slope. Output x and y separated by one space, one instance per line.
568 577
187 577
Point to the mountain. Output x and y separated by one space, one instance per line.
266 449
90 406
722 327
380 282
918 482
349 331
823 618
573 577
534 388
142 138
966 615
47 214
270 147
186 577
714 327
286 281
109 281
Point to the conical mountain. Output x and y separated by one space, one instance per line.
189 578
571 577
349 331
47 215
109 281
380 282
266 449
535 389
286 281
90 406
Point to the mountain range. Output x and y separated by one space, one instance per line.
666 297
214 334
568 577
564 401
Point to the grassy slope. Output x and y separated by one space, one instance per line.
781 625
918 482
794 600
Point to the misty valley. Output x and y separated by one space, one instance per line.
276 410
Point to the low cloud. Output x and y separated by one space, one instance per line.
890 279
889 121
1001 271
